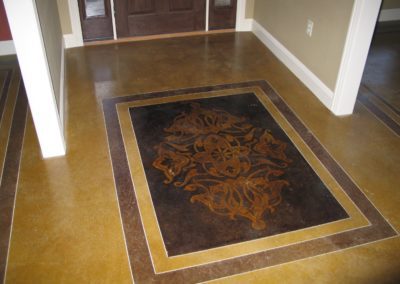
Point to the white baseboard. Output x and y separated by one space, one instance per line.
72 40
242 24
245 25
320 90
75 38
7 47
389 15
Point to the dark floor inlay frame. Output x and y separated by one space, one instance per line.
377 111
140 258
4 90
9 179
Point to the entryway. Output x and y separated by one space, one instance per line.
108 19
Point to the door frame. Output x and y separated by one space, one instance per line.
75 39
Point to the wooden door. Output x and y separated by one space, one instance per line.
96 19
222 14
149 17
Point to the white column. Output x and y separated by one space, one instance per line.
359 36
28 41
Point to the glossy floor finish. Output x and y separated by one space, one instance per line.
380 87
67 225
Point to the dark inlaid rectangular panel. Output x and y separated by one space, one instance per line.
222 171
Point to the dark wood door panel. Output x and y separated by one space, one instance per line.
180 5
141 7
222 14
96 19
149 17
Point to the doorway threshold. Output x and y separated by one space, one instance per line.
160 36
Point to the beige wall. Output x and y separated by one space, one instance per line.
286 20
391 4
52 37
249 9
65 19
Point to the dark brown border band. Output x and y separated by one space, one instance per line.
138 251
8 185
380 114
4 91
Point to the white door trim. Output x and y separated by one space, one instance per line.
358 41
207 15
242 24
75 38
114 25
7 47
28 41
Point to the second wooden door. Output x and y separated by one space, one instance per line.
96 19
149 17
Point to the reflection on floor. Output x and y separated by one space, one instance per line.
380 88
68 227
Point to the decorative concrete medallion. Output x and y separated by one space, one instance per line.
232 167
221 171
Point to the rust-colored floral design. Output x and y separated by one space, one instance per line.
232 167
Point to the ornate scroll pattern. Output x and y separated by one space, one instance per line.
232 167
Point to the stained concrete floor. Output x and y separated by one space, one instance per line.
67 226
